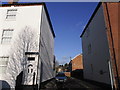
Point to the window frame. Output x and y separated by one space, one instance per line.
4 64
6 37
11 13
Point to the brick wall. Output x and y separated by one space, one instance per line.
77 62
113 33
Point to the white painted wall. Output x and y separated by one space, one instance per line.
47 48
29 16
98 58
24 18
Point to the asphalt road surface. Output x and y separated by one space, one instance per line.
70 84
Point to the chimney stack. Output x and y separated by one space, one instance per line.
12 1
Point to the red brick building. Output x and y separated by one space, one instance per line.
111 13
76 67
76 62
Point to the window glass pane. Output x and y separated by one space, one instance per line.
11 11
11 14
4 61
11 17
7 33
31 70
31 58
28 70
6 36
2 69
6 40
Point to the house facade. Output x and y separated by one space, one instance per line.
77 62
26 28
100 45
76 67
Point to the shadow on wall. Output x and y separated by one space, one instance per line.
5 85
78 73
19 85
19 81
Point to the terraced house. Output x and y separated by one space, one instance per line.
101 47
26 44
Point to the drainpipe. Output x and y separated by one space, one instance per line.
111 75
113 50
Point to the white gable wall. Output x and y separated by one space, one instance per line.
29 16
96 56
47 48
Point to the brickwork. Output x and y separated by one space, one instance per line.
77 62
68 74
113 34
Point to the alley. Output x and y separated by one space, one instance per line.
70 84
46 45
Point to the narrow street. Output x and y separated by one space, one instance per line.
59 45
70 84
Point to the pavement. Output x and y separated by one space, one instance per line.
76 83
70 84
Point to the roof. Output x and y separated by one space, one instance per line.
48 17
76 56
94 13
21 4
32 4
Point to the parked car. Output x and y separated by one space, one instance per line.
60 77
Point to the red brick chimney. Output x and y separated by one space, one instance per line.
12 1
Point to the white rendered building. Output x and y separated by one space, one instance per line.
26 27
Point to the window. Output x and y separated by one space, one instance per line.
11 14
6 36
31 58
3 64
30 68
89 48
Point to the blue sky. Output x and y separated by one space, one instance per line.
68 20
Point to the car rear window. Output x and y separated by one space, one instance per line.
60 75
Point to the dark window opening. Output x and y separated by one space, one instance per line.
31 58
28 70
31 70
60 75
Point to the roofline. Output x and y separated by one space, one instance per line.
48 17
32 4
21 4
94 13
77 56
